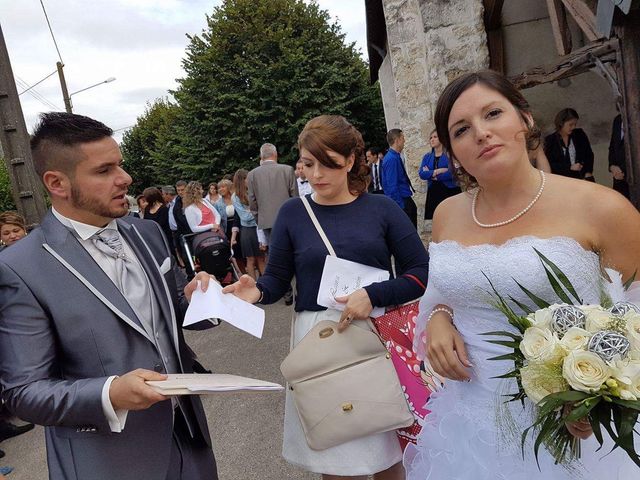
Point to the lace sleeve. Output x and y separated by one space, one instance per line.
429 300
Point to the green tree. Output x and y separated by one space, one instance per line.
6 199
258 72
148 148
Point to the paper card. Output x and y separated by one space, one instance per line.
342 277
193 383
215 304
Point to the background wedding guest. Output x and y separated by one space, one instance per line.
212 193
12 228
617 162
225 203
436 170
201 216
491 235
250 246
304 187
142 205
395 181
157 211
333 154
568 148
270 185
374 160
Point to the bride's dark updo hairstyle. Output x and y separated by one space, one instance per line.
334 132
494 81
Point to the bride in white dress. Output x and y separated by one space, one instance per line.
509 209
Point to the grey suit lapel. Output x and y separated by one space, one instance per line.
142 250
67 250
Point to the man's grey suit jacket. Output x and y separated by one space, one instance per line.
270 185
65 328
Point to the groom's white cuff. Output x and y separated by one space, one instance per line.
116 419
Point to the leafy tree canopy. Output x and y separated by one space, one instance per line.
258 72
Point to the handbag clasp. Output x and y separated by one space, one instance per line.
347 407
326 332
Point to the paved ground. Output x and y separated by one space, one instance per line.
246 428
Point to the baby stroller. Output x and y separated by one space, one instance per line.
212 253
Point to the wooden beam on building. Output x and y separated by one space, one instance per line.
492 14
629 81
570 65
559 26
584 17
493 27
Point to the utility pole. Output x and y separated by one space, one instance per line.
28 193
63 85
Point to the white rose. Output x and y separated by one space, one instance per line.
575 339
632 321
541 345
541 318
539 381
598 319
585 371
627 375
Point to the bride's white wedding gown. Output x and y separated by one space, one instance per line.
471 433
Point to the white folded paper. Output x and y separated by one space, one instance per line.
215 304
342 277
199 384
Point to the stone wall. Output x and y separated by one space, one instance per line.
430 42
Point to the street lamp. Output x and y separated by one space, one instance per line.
66 96
110 79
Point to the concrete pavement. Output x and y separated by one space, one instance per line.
246 428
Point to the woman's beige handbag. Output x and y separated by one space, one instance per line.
344 385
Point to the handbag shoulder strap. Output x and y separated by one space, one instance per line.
316 223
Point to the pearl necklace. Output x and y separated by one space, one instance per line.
515 217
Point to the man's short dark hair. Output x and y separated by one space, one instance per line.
56 136
181 183
373 150
393 135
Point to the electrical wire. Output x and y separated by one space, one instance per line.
51 30
37 95
37 83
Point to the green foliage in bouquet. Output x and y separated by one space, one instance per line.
603 408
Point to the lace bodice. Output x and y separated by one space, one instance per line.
457 270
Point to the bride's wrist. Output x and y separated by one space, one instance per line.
441 309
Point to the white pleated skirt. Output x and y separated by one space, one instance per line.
362 456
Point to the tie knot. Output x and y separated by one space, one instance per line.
111 238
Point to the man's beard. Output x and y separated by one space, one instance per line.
94 206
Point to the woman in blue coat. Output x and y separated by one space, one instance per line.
435 170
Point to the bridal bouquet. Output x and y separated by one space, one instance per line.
574 361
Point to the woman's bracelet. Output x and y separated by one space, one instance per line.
261 294
448 311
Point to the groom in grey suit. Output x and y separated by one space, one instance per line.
91 306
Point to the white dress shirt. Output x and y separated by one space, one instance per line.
304 187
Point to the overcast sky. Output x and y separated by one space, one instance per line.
140 42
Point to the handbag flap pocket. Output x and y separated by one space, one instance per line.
366 398
323 350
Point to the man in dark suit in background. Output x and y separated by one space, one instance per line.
91 305
617 162
374 162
